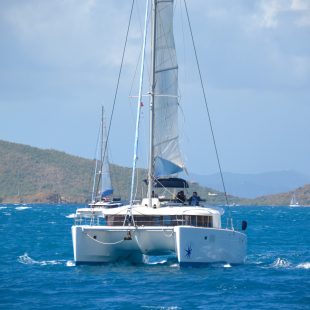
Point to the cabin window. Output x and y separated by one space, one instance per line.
115 220
204 221
166 220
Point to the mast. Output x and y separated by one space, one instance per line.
138 110
151 138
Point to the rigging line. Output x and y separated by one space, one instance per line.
96 166
207 107
140 52
165 188
117 86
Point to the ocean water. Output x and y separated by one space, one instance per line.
37 269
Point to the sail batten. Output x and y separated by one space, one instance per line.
167 69
167 155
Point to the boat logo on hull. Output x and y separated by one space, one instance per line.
188 251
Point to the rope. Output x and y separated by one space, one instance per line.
104 243
208 112
117 86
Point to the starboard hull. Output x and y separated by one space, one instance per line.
196 245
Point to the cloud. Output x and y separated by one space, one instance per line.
259 45
271 13
70 33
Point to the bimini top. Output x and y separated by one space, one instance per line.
169 183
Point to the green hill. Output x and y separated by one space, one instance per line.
283 199
29 174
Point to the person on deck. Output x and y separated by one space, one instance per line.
194 200
181 197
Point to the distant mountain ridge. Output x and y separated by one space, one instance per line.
255 185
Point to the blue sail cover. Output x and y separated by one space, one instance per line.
107 192
165 167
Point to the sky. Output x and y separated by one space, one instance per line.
59 62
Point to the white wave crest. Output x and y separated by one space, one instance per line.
157 263
227 266
27 260
305 265
175 265
71 216
1 208
70 263
22 208
281 263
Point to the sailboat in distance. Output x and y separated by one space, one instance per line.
102 189
161 223
294 202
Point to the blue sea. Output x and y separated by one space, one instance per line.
37 269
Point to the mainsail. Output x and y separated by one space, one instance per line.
167 155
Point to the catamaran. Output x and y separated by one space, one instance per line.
159 224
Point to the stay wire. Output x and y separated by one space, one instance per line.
116 90
207 108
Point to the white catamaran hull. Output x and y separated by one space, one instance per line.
195 245
191 245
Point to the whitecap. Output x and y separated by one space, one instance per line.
305 265
22 208
281 263
27 260
70 263
162 308
157 263
174 265
1 208
227 266
71 216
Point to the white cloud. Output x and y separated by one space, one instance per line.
302 5
274 12
69 32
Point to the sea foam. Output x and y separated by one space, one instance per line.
305 265
27 260
281 263
22 208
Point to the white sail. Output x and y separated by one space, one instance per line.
167 154
106 186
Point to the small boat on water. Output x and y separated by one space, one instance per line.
162 223
102 191
294 202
